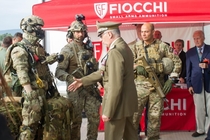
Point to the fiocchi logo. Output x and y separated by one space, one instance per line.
101 9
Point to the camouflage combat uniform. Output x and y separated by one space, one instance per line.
20 62
76 56
153 53
44 111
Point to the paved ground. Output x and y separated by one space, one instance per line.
169 135
166 135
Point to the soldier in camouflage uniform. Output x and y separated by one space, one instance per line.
79 60
154 51
28 62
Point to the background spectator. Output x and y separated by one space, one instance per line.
7 41
198 81
178 49
158 35
17 37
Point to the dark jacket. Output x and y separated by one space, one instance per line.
182 56
194 72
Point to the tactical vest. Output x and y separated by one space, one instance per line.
152 54
86 64
39 74
82 58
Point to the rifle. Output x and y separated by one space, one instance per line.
152 78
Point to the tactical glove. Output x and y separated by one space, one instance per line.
167 86
36 104
51 59
35 100
140 70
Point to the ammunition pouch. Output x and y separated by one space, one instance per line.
16 86
78 73
89 68
158 67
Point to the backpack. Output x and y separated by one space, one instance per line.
59 113
10 73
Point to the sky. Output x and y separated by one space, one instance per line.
12 11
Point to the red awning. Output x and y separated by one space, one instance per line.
58 14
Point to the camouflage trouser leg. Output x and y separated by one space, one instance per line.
143 96
30 122
92 106
154 116
155 109
77 102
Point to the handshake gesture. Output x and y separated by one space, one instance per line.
75 85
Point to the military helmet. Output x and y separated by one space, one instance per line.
168 65
77 26
28 23
33 24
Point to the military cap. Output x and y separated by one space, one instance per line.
104 26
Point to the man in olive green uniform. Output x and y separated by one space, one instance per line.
153 51
7 41
79 60
120 97
27 63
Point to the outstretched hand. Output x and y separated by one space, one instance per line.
75 85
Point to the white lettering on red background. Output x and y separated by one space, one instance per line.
179 104
176 107
97 49
138 7
131 8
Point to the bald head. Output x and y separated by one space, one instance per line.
149 26
147 30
